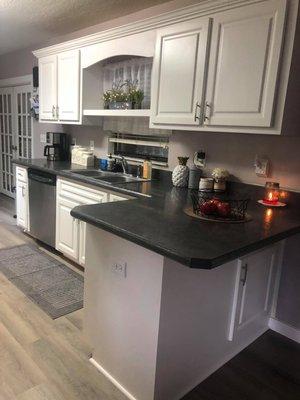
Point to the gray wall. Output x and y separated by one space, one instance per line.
232 151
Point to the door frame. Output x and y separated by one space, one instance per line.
12 83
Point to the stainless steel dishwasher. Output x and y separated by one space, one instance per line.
42 205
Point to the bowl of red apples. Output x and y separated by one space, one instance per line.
219 208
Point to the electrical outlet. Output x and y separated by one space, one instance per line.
120 269
92 145
262 166
43 138
73 142
200 158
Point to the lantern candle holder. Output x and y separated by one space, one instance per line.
272 195
272 192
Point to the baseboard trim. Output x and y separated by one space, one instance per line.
285 330
112 379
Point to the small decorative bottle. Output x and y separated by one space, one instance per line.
180 174
147 168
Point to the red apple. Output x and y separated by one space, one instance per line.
208 207
224 209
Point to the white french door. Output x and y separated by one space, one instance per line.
15 132
7 140
24 121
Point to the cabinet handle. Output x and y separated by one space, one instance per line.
207 112
244 279
196 109
53 111
23 193
57 112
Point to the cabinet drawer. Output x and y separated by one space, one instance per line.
80 193
21 174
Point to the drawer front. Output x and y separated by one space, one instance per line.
21 174
80 193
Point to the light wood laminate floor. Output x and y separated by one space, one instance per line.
45 359
41 358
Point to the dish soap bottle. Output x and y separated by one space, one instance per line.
147 168
110 163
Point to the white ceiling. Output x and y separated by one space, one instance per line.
25 23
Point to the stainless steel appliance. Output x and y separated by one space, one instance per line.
57 147
42 205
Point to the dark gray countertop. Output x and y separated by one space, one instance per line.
159 223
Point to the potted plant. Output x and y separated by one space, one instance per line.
220 176
116 98
135 95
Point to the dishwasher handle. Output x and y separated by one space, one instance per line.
42 177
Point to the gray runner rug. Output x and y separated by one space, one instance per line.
54 287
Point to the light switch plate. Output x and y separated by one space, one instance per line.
43 138
92 145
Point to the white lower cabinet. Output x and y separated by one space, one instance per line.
22 198
70 232
253 292
67 232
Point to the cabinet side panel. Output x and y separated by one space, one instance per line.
196 310
121 313
288 302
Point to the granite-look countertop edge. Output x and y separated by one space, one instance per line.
159 224
79 212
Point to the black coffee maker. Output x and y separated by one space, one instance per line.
57 148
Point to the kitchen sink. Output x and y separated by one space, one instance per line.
107 177
118 179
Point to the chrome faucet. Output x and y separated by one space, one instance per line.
125 166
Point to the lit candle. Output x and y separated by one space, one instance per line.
271 193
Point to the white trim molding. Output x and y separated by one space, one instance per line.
284 329
112 379
16 81
183 14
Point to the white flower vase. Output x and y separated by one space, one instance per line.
180 175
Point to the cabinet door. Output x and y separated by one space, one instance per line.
67 228
22 204
102 198
253 290
82 234
68 85
48 88
245 51
179 73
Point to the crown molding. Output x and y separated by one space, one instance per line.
168 18
16 81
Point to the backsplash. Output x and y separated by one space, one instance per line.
235 152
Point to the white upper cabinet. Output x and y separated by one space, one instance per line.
60 87
212 66
68 64
243 66
48 88
179 72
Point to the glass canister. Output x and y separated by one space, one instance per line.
194 177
